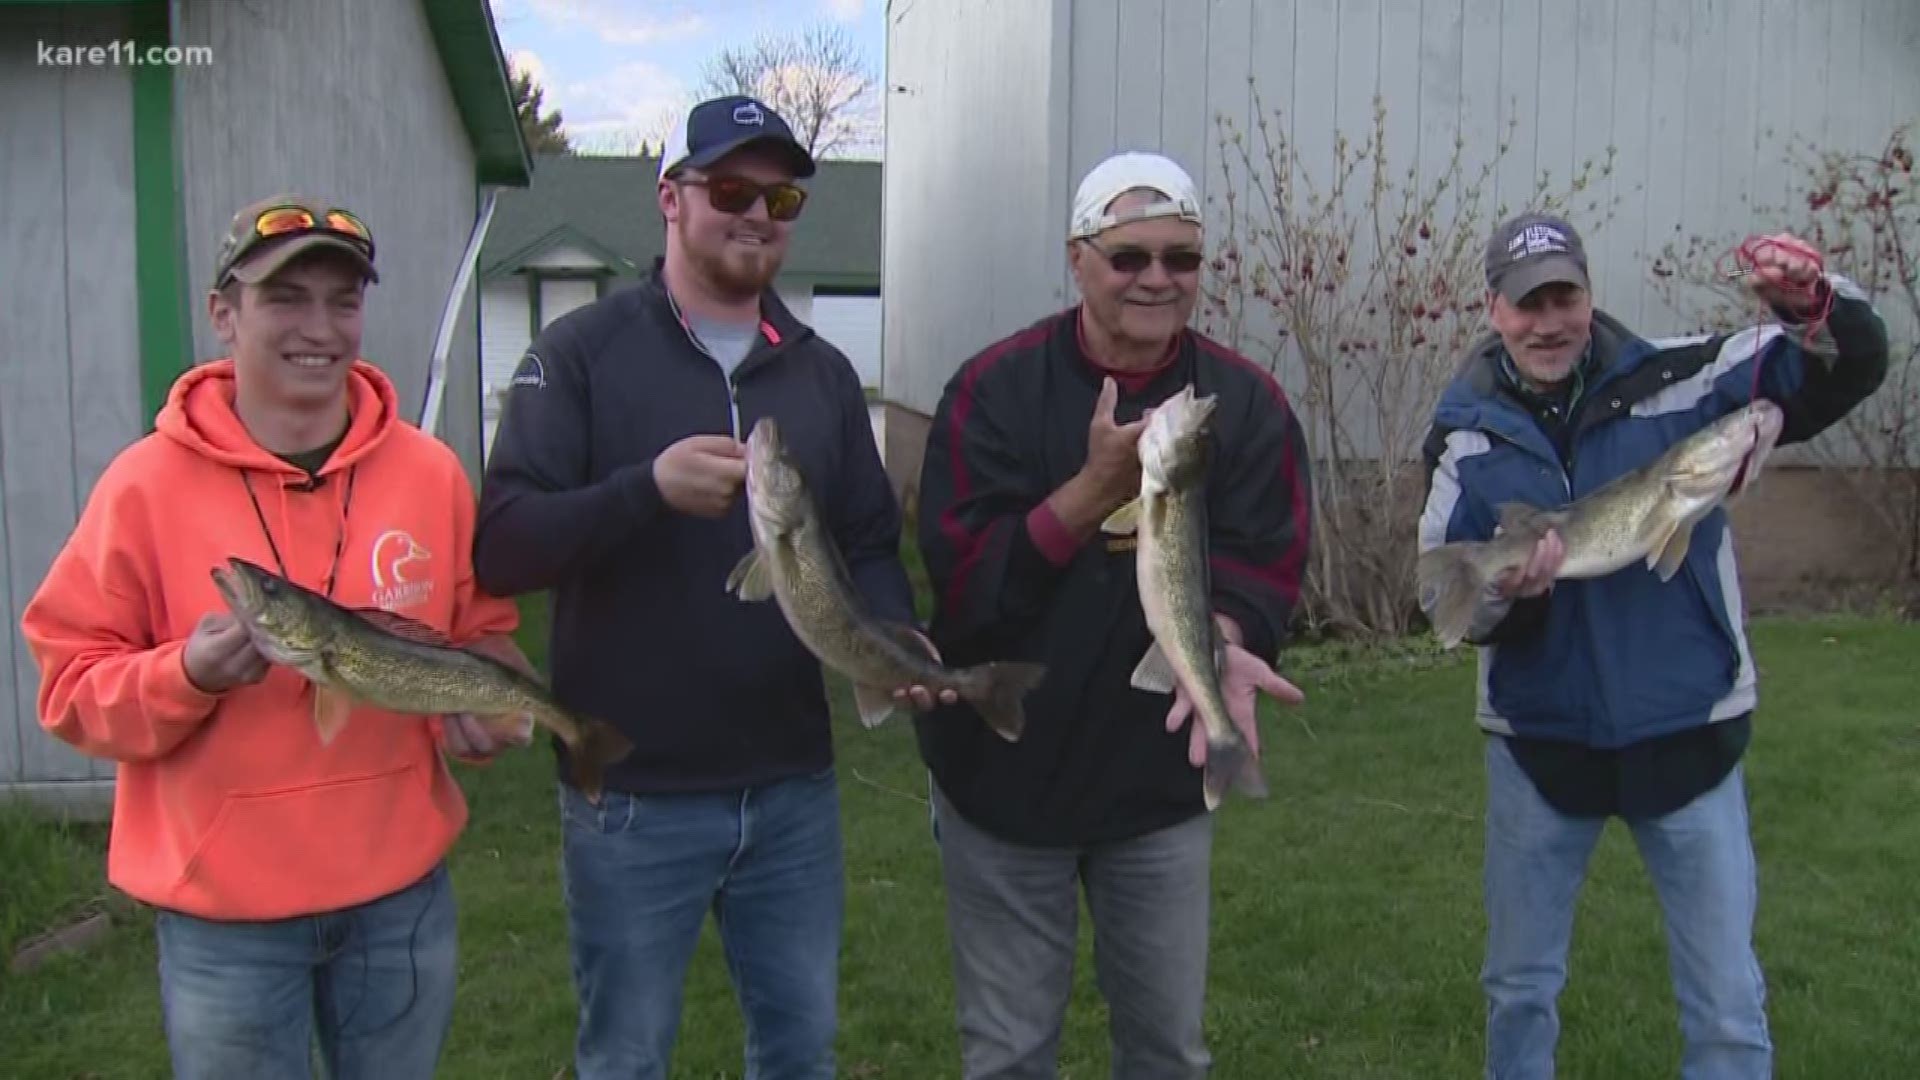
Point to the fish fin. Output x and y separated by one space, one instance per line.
596 745
330 711
1666 559
750 580
996 691
874 703
1154 673
1516 517
1124 521
1231 765
403 627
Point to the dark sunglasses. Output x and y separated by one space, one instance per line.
737 194
1134 260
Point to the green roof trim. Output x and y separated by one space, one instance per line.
463 32
564 235
160 272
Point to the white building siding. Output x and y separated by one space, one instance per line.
505 333
852 324
1684 92
69 345
975 195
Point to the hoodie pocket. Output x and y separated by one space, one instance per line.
296 849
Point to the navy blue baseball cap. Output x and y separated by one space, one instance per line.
715 128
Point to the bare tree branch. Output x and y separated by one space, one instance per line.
815 79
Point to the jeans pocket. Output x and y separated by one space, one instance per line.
614 815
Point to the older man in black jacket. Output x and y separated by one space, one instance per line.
1031 447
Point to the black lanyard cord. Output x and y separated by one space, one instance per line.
339 544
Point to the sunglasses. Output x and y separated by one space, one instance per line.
287 220
737 194
1134 260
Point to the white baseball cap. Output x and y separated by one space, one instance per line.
1124 172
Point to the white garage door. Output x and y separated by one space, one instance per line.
852 323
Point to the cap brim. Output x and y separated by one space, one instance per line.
1550 270
798 159
264 264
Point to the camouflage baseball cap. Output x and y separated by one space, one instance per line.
264 236
1532 250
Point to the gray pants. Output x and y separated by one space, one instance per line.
1012 913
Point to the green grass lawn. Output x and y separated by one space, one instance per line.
1347 926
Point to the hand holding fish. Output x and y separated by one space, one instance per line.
466 735
1241 676
1785 271
923 698
220 655
1537 576
701 475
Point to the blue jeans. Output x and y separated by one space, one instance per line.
372 985
640 874
1701 860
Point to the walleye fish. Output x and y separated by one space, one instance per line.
1647 515
1170 518
794 561
390 662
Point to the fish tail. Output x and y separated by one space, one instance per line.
996 690
596 744
1231 764
1451 580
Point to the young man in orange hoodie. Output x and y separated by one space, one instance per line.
300 883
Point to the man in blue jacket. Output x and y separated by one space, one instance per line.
615 482
1622 695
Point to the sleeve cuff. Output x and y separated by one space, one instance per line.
1050 536
1255 635
641 492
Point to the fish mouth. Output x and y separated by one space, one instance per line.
1765 421
236 587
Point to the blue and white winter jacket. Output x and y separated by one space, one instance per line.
1614 660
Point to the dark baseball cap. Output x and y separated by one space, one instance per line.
1532 250
266 235
717 127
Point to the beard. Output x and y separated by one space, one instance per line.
732 272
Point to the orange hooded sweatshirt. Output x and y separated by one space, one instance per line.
227 806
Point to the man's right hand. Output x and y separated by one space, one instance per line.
220 655
1113 456
1536 577
701 474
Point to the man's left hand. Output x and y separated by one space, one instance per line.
922 698
1244 674
1785 271
470 736
480 738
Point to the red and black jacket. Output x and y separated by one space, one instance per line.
1096 762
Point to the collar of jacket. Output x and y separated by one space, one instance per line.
779 328
1479 398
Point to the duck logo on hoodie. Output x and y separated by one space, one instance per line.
400 577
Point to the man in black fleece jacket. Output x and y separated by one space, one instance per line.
615 482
